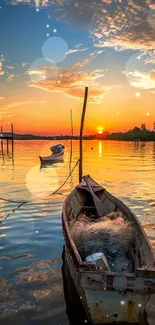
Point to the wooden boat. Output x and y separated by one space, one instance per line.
74 309
57 157
57 148
109 297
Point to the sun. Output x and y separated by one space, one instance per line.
100 129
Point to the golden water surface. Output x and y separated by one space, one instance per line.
31 239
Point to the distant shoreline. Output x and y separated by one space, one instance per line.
22 138
136 134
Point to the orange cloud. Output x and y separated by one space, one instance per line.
10 77
10 67
141 37
5 114
25 103
124 25
1 69
7 71
152 75
36 3
71 82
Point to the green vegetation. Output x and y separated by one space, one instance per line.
139 134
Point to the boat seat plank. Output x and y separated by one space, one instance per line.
88 207
145 272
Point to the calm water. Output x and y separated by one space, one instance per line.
31 240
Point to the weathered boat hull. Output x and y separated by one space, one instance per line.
74 274
109 306
59 157
74 306
110 297
118 305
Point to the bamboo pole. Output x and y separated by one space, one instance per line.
12 140
81 133
71 149
2 141
7 145
71 122
12 130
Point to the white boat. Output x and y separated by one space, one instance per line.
57 157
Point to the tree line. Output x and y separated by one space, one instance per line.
137 133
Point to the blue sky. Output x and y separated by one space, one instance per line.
23 32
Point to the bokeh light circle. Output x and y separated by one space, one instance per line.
42 182
55 49
138 70
41 69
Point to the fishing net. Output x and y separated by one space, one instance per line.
111 235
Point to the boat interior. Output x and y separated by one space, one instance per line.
118 234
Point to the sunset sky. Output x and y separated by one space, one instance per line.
51 49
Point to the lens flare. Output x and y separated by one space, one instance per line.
41 69
43 182
55 49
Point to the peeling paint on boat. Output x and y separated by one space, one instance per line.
150 310
111 306
120 283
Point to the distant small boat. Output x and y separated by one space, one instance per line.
54 158
57 148
123 295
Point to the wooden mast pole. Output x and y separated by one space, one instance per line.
7 145
71 122
2 141
81 133
71 149
12 140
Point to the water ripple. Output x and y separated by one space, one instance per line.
31 239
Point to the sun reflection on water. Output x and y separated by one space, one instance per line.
100 148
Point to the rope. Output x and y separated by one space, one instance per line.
24 202
67 139
66 178
20 202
